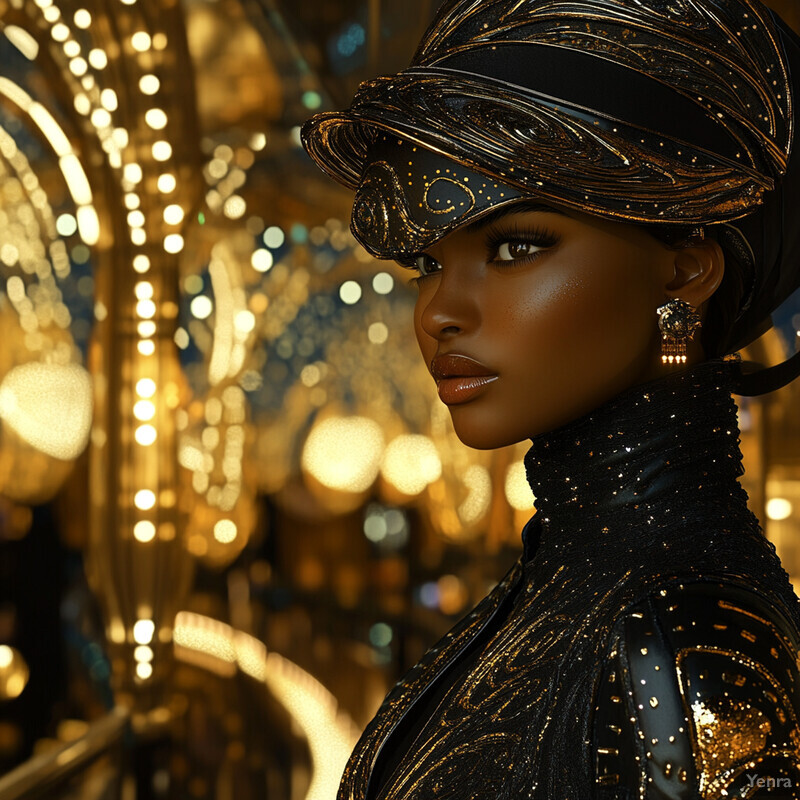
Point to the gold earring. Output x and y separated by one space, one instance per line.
677 321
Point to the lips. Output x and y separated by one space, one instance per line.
459 378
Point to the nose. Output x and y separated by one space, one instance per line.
452 307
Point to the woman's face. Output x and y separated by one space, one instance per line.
533 317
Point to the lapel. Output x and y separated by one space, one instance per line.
398 702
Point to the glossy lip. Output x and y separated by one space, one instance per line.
460 378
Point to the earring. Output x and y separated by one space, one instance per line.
677 321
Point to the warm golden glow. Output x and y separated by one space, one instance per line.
60 32
14 673
144 670
201 307
378 333
132 173
143 290
23 41
162 151
173 243
143 631
109 100
82 18
136 219
146 329
146 387
479 483
146 309
49 406
144 531
76 179
146 435
244 321
88 225
225 531
779 508
143 653
410 463
100 118
212 639
331 735
517 489
251 655
144 410
141 41
156 119
144 499
234 207
166 183
149 84
350 292
98 58
262 260
141 264
82 103
78 66
310 375
344 453
173 214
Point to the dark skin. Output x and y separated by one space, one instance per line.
560 306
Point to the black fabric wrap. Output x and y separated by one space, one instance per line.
772 234
580 80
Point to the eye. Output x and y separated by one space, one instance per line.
426 264
512 251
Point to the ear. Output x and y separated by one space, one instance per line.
699 269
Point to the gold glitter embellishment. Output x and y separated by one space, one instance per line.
728 732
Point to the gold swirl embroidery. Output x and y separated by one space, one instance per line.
379 201
429 188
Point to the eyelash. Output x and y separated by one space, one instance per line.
513 234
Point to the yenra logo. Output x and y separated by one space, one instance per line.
768 783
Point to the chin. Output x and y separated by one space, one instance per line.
485 437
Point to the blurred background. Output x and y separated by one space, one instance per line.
232 508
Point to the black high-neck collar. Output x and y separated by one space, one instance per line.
658 456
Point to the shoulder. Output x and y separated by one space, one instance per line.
700 691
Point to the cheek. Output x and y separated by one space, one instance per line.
427 344
606 308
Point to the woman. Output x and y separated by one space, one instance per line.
579 184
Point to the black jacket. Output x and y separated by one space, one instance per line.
644 646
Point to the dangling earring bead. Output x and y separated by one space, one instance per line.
677 321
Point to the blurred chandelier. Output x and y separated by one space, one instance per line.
164 245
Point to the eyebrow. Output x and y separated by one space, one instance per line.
524 207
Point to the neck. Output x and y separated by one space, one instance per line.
663 455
